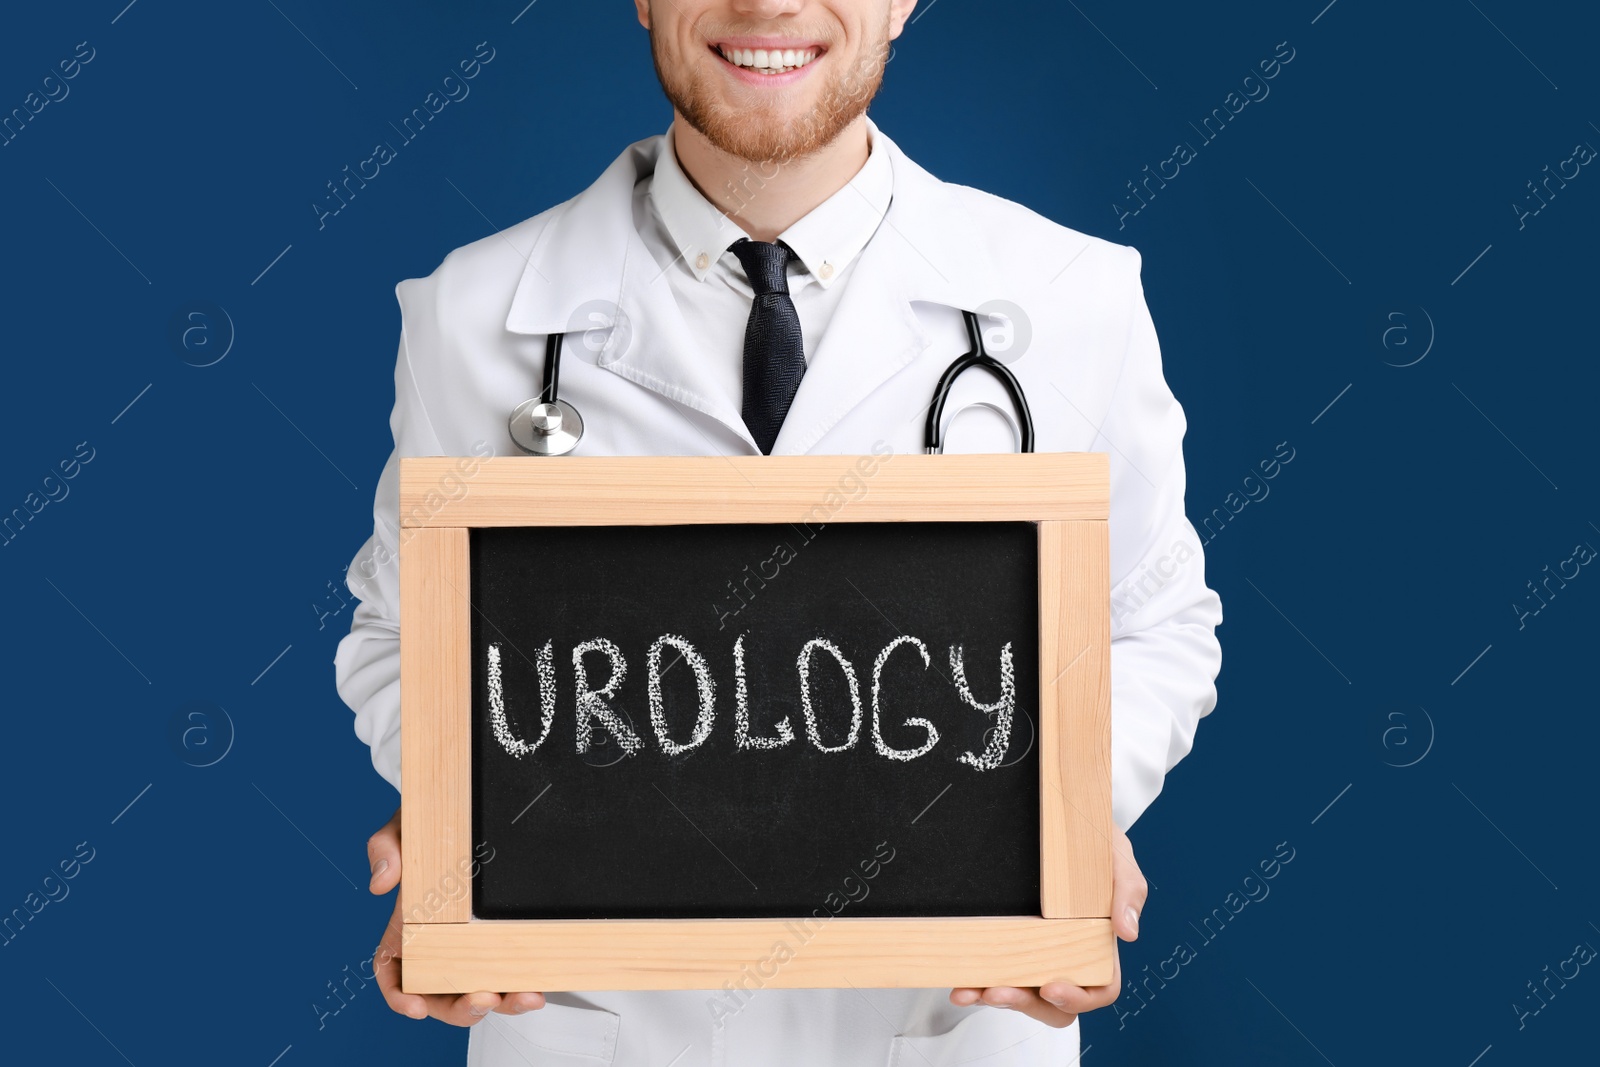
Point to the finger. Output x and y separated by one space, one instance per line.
1129 890
1076 998
1029 1003
464 1010
446 1007
386 967
383 856
518 1003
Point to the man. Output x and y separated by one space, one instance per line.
773 275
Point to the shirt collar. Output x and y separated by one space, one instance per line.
825 240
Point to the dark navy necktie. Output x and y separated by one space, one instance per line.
774 358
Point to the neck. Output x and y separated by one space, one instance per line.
765 199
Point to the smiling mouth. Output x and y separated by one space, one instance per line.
768 60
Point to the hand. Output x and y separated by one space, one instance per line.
1058 1003
383 853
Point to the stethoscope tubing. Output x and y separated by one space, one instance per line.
552 368
933 439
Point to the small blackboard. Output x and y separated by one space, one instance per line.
676 722
775 731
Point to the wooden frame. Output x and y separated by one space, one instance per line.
447 950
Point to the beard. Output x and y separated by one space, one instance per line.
757 135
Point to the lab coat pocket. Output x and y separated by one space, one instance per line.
989 1037
555 1035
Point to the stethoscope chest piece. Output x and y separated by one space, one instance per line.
547 425
546 429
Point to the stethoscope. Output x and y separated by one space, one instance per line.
546 425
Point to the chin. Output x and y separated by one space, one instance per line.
772 125
782 125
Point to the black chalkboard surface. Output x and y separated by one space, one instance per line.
648 798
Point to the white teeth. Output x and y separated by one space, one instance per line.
769 61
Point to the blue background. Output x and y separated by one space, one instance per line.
1427 755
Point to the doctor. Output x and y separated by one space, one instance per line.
774 275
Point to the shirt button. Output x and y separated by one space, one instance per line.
825 271
702 261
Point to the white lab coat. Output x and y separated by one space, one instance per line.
472 347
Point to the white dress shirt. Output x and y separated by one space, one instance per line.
690 240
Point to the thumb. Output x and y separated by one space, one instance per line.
1129 889
383 856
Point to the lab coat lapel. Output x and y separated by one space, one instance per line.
662 354
925 249
580 251
873 334
591 267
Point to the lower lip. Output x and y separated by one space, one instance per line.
749 77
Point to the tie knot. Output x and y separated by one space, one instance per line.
764 264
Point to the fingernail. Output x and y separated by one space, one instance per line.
382 865
1133 920
477 1012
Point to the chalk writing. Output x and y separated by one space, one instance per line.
595 708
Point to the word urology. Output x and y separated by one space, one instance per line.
594 706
